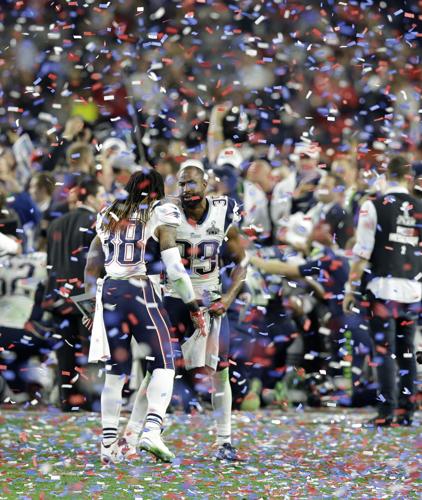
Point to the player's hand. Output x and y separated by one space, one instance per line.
219 111
87 322
348 302
219 307
198 320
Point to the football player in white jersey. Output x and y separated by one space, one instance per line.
134 235
208 222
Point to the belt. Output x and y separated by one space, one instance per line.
136 277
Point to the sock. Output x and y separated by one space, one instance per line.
159 393
111 401
139 411
221 399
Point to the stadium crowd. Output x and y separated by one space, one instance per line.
294 110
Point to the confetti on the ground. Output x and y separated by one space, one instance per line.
288 455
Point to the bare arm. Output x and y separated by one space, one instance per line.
215 136
273 266
166 236
94 267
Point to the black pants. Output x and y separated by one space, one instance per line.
72 353
393 328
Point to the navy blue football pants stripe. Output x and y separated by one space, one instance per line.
138 311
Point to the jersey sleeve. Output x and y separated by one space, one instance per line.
167 214
232 214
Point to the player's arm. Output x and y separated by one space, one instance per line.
177 274
274 266
215 136
94 267
236 252
362 251
352 288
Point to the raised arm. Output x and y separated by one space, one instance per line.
215 136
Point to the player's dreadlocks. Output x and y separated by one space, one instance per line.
143 188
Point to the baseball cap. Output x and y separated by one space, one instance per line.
115 143
229 156
192 163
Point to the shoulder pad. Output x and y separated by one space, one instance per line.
168 214
219 201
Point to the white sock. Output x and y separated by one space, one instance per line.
139 412
221 399
111 402
159 391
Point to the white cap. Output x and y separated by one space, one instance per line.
230 156
192 163
115 143
124 160
309 149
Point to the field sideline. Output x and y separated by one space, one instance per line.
295 454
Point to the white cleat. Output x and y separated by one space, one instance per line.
111 454
128 451
152 442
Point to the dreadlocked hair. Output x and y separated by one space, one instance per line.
142 190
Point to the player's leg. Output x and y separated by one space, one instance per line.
181 329
383 334
117 368
140 405
154 330
406 360
221 396
137 417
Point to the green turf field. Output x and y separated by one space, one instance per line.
289 455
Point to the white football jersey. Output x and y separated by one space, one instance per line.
199 245
19 278
135 250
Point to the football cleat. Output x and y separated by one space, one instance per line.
406 419
152 442
227 452
111 454
127 450
379 421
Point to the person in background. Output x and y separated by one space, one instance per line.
346 168
68 241
388 240
306 176
329 208
330 270
75 130
41 188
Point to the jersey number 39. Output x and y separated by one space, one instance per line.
199 259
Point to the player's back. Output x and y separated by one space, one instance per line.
133 248
19 279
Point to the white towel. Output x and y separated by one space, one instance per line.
99 350
199 351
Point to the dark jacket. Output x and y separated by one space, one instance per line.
68 241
